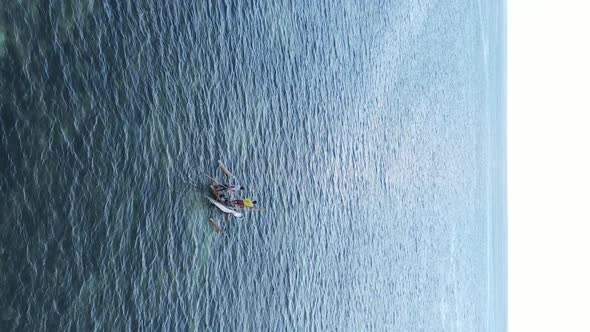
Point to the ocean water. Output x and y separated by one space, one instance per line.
371 132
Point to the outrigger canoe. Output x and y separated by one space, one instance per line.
225 208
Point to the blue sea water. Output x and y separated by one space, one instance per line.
371 132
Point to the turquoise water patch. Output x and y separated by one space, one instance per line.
2 42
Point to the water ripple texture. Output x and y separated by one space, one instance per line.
367 131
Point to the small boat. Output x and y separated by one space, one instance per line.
225 208
224 169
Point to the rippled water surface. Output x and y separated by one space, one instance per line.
369 131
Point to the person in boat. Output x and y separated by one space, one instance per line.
246 202
230 189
